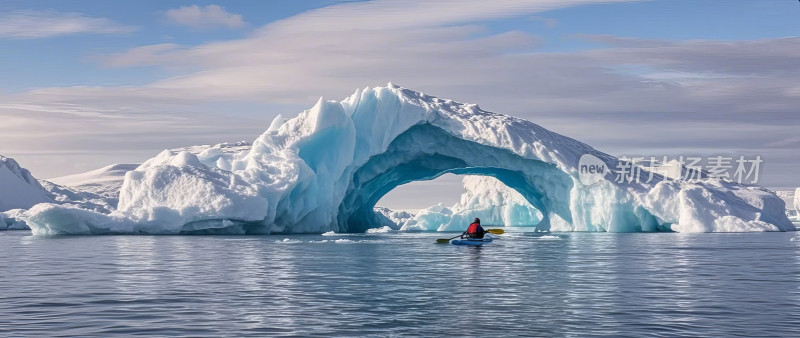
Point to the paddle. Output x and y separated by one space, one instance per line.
445 240
491 231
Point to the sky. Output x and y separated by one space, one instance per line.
84 84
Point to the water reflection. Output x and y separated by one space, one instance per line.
137 266
276 272
574 284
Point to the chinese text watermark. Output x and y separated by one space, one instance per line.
741 169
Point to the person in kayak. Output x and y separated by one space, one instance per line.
475 230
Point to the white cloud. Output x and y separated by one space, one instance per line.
440 48
211 16
399 14
45 24
371 43
138 56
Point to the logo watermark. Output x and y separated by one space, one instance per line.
741 169
591 169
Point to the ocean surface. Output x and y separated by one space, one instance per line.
402 284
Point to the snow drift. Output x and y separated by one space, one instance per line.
484 197
325 169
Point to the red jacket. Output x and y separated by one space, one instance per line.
476 230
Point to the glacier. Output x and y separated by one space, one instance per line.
325 169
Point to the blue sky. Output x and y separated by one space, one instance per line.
67 60
32 63
89 83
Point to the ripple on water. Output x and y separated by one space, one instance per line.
532 284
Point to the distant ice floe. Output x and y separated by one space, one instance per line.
549 237
381 230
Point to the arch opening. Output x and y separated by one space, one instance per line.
452 201
425 152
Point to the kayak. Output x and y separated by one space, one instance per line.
472 241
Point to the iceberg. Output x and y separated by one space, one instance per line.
106 181
13 219
383 230
787 196
484 197
392 219
797 200
18 188
792 203
325 170
97 190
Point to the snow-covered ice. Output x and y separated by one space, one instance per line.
106 181
392 219
792 201
96 190
18 188
797 200
381 230
325 169
796 206
13 219
787 196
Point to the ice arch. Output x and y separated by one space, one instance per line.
542 184
326 168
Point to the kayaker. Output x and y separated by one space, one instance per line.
475 230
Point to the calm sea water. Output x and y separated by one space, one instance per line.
569 284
